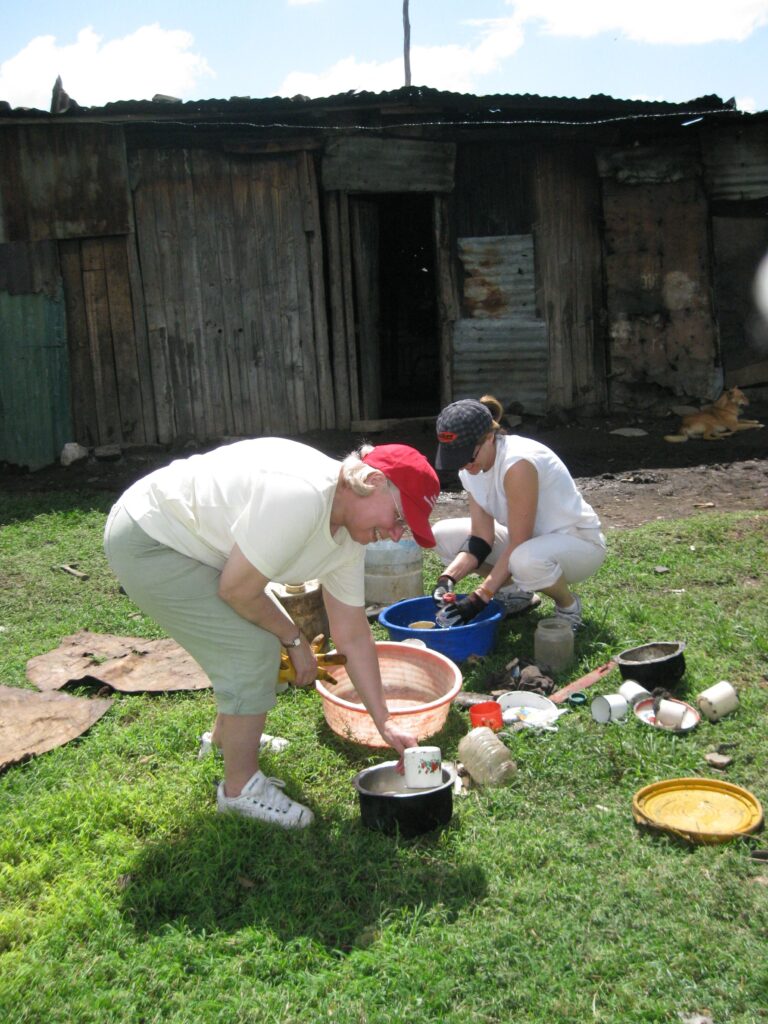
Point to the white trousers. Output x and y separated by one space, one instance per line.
537 563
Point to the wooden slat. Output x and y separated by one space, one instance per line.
338 322
360 164
349 305
123 341
317 312
364 218
141 341
84 422
153 277
99 327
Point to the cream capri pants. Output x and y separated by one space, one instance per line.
537 563
181 595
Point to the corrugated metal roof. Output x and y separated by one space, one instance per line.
416 100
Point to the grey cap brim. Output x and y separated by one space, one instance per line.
453 456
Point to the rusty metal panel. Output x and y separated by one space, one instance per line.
34 384
506 356
499 278
388 165
736 164
62 181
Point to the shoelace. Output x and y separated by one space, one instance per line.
272 793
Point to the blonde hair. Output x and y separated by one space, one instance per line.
355 473
496 409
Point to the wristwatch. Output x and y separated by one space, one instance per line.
296 642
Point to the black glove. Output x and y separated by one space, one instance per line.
444 586
459 613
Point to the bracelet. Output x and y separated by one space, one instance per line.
484 590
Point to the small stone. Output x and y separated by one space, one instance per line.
660 569
72 452
468 700
719 761
108 452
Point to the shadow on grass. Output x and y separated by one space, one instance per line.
330 883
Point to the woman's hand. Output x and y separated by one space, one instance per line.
304 663
398 739
462 611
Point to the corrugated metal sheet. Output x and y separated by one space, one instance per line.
506 356
500 275
34 384
736 166
502 347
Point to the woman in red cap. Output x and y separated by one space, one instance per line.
196 543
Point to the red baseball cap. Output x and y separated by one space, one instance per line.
417 482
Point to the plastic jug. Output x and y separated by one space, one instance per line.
486 758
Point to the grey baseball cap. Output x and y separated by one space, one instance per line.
460 428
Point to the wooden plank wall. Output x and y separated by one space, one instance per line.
231 265
569 275
62 181
112 401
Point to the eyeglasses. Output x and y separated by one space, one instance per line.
400 521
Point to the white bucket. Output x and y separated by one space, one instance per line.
394 571
718 701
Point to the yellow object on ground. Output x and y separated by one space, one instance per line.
699 810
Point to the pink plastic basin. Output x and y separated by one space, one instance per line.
419 685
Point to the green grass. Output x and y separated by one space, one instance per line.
125 898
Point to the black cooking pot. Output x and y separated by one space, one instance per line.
655 664
388 805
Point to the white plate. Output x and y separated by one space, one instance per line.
644 711
523 699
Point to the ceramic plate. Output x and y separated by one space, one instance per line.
644 711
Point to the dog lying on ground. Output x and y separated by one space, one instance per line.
716 421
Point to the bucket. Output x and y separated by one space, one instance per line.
394 570
304 603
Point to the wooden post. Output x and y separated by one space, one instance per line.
406 43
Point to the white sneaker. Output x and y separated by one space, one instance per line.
263 798
571 616
271 744
516 601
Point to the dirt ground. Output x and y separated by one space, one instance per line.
628 480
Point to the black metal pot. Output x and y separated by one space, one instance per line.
655 664
387 805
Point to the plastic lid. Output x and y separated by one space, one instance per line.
700 810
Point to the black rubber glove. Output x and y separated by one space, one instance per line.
459 613
445 585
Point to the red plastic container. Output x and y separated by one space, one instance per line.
488 713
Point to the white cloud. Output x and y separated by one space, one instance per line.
682 22
746 103
148 61
452 68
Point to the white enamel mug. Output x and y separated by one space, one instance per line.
423 767
719 700
610 708
632 692
670 714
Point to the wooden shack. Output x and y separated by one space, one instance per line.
194 271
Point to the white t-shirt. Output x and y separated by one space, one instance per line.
270 496
560 509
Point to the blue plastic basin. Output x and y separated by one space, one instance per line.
457 643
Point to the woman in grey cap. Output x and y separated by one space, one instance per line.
528 520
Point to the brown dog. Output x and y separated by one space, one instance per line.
714 422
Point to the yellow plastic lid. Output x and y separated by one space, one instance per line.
699 810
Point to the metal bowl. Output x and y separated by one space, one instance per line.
655 664
388 805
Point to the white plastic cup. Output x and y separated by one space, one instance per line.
633 692
670 714
610 708
719 700
413 641
423 767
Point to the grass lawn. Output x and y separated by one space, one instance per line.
124 897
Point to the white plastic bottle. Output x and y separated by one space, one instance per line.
486 758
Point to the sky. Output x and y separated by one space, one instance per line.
674 50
